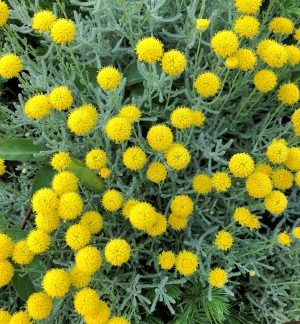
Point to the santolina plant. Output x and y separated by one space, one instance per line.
150 162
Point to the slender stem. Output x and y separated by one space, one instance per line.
169 92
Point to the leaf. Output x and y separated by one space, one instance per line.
132 74
20 149
86 176
42 178
23 285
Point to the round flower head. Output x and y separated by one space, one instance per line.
88 259
63 31
207 84
39 305
186 263
82 120
104 173
282 179
65 182
96 159
78 236
159 227
182 205
173 62
134 158
202 24
86 301
70 206
202 184
241 165
131 113
293 54
182 117
10 65
293 159
37 106
198 118
246 59
232 62
241 215
156 172
101 316
253 222
284 239
246 26
178 157
4 13
223 240
112 200
117 252
160 138
61 98
142 216
166 260
118 129
7 272
21 317
277 151
43 20
221 181
60 161
38 241
217 277
47 223
109 78
297 178
118 320
281 26
177 223
297 34
5 316
273 54
79 279
263 45
263 168
2 167
149 50
225 43
93 221
248 7
6 246
44 201
21 253
276 202
56 283
265 80
288 94
127 207
296 232
258 185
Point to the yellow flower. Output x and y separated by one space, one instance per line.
277 151
37 106
258 185
198 118
288 93
47 223
6 246
5 316
182 205
88 259
177 223
263 45
109 78
202 24
248 7
223 240
101 316
297 34
10 65
284 239
207 84
61 98
296 232
253 222
221 181
39 305
173 62
21 317
225 43
131 113
281 26
134 158
78 236
63 31
65 182
178 157
118 129
79 279
246 26
43 20
293 159
86 301
263 168
265 80
93 221
96 159
60 161
2 167
217 277
159 227
166 260
38 241
70 206
82 119
104 173
246 59
149 50
241 165
112 200
241 215
21 253
293 54
182 117
7 272
117 252
142 216
118 320
56 283
156 172
4 14
186 263
273 53
282 179
160 138
44 201
276 202
232 62
202 184
127 207
297 178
